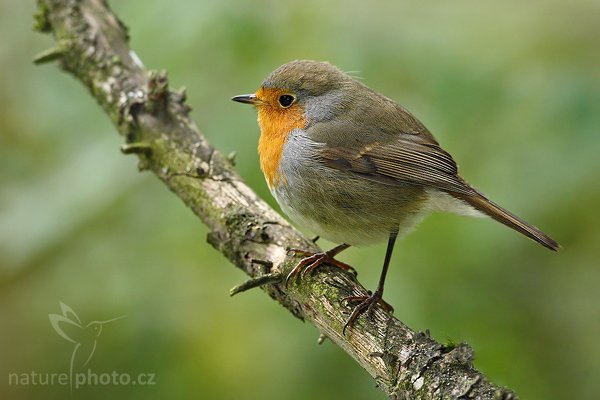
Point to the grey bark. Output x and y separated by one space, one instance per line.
92 45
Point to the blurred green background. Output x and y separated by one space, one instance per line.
511 89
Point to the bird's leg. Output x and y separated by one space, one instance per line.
365 302
313 260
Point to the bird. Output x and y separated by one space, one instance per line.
356 168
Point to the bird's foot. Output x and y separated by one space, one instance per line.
313 260
364 304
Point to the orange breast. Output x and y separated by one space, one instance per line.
275 123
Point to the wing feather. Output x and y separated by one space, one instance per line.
399 161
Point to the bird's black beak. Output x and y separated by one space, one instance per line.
246 98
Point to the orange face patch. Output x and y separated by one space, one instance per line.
276 123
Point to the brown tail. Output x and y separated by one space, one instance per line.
486 206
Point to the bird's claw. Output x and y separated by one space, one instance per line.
365 303
312 261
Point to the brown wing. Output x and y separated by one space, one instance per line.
401 160
380 140
425 165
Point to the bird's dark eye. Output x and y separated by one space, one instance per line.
286 100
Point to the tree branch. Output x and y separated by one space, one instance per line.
92 44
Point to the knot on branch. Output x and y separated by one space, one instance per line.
158 92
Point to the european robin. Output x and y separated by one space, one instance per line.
355 167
